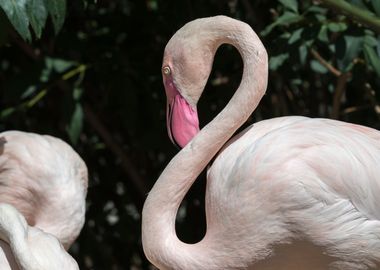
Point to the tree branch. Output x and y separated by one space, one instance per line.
126 163
340 85
355 13
339 91
24 46
371 93
326 64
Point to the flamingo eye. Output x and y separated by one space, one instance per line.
166 70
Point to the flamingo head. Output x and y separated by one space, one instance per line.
186 67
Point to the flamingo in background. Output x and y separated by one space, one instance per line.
43 186
286 193
28 248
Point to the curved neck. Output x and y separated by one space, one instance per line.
14 231
160 242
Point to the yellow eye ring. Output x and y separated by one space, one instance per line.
166 70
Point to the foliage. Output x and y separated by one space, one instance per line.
328 44
97 85
322 31
25 13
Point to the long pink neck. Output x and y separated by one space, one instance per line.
160 242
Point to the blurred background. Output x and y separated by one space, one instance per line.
89 72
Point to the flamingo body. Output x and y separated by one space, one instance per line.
294 178
45 181
24 247
286 193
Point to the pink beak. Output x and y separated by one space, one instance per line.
181 118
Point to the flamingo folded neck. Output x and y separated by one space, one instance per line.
160 242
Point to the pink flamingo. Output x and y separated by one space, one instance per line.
286 193
43 185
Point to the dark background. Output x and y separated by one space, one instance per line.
97 85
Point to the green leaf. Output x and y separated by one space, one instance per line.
75 126
37 15
77 93
317 9
369 32
16 13
372 58
322 35
290 4
285 35
337 27
296 35
318 12
57 11
276 61
152 5
289 18
376 6
7 112
29 91
296 82
54 65
318 67
370 40
320 17
61 65
347 49
303 51
285 19
358 3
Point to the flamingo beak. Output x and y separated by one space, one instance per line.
181 118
